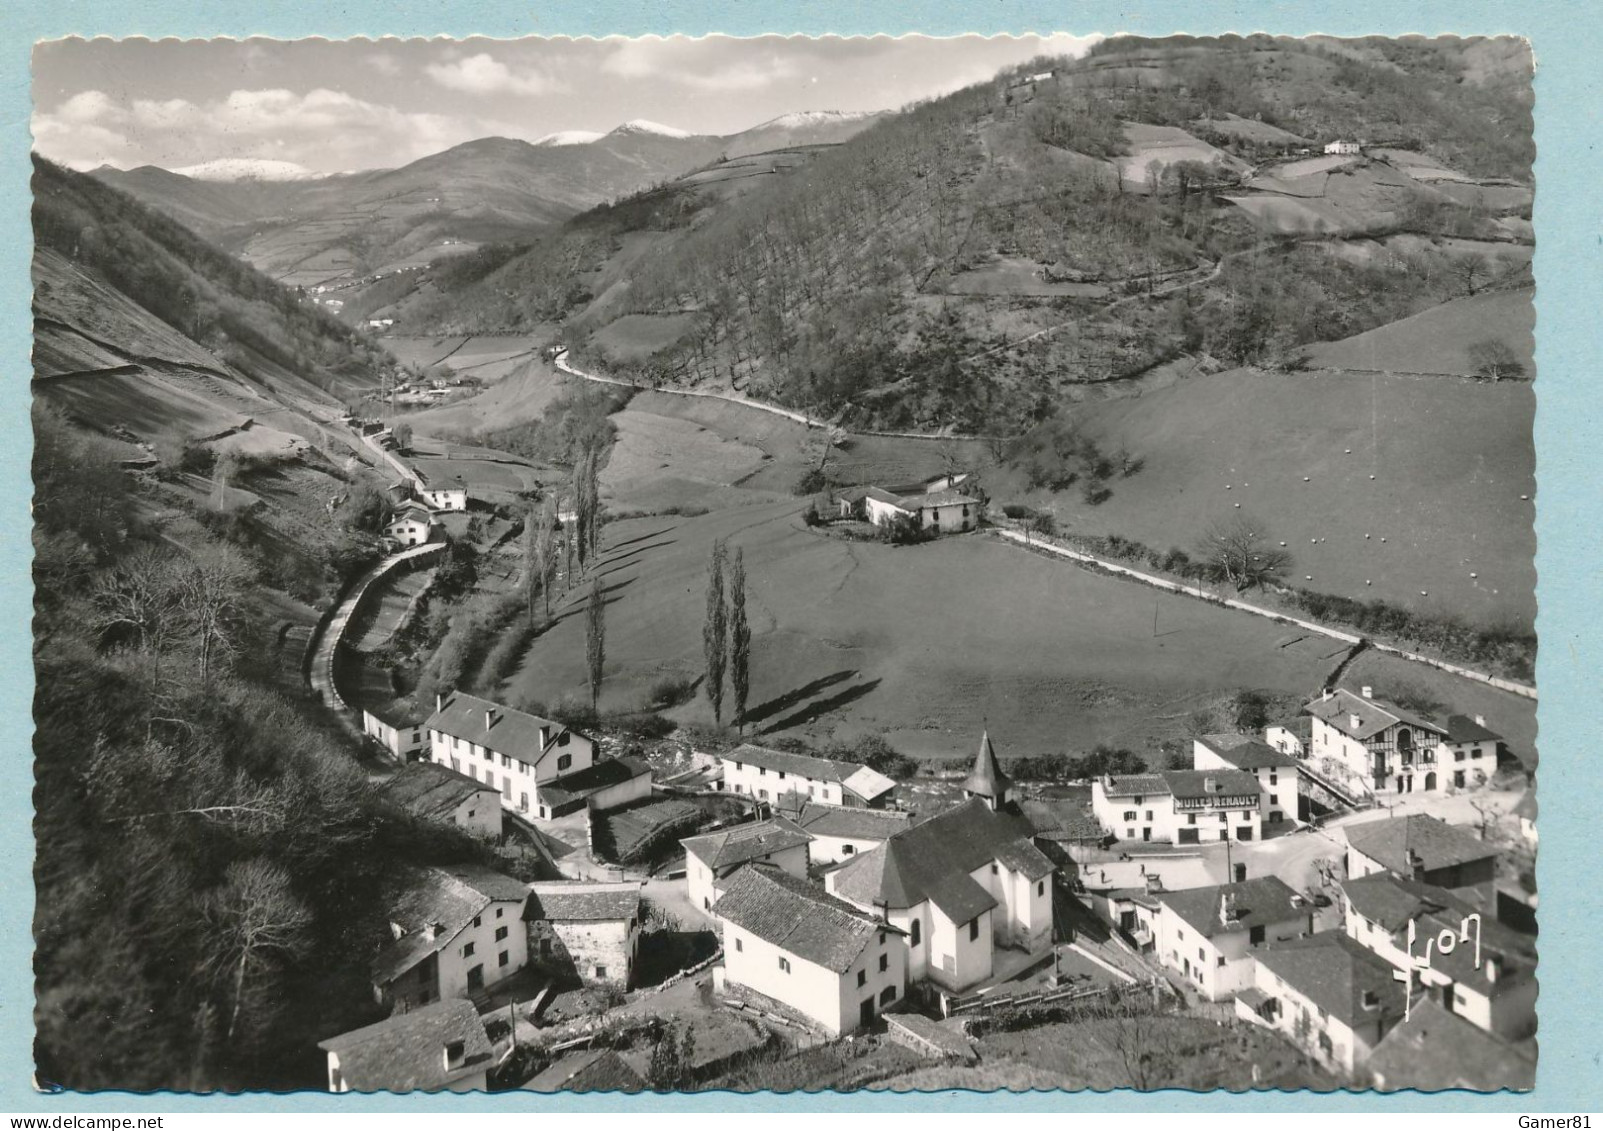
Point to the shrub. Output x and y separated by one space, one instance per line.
670 691
810 482
1017 511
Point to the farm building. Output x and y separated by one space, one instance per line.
1420 847
512 751
456 931
601 786
1344 147
1276 772
446 498
400 735
438 1048
769 775
961 884
839 833
1489 976
1325 993
1388 748
785 939
580 929
1208 935
411 526
592 1070
1294 737
710 859
437 793
939 512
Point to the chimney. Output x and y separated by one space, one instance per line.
439 701
1480 720
489 717
1227 908
545 737
1416 865
1210 785
1355 720
431 931
1368 692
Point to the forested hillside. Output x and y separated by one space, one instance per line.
970 261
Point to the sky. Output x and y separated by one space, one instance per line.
338 106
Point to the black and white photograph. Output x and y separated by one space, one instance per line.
784 564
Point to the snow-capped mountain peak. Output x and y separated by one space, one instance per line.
642 126
246 169
570 137
815 117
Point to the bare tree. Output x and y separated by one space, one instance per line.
139 604
1472 269
1494 359
1239 551
257 921
211 594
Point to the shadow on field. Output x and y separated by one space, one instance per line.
583 601
642 538
621 561
801 694
815 711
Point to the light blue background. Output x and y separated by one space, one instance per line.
1569 429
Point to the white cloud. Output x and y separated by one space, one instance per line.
485 74
696 64
384 63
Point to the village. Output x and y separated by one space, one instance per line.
1349 883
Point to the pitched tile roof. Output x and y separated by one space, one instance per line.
1432 1050
1062 820
843 821
946 498
932 860
1135 785
1391 841
512 732
594 778
432 906
582 901
868 783
1193 784
1246 753
1392 902
595 1070
406 1052
1258 903
797 917
1338 975
1374 715
1462 730
729 847
986 778
801 765
429 789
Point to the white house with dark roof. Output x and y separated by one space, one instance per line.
438 793
1422 848
1489 976
961 884
1326 994
512 751
787 940
769 775
585 929
1276 771
455 931
436 1048
1294 736
1180 806
939 512
600 787
1385 748
1207 935
839 833
411 526
399 732
710 859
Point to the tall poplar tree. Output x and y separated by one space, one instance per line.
715 632
595 643
739 638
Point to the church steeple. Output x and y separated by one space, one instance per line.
986 780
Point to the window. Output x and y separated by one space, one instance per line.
1221 961
1274 779
500 933
884 963
762 771
1371 999
993 867
476 920
1191 818
862 977
1458 755
913 933
1475 753
564 761
1274 799
601 971
455 1051
973 930
1130 814
763 793
467 950
784 965
1129 834
1458 778
1201 955
523 802
1040 887
847 850
503 958
781 775
887 995
1223 817
1138 800
1254 936
740 946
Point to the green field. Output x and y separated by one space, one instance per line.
1451 460
927 643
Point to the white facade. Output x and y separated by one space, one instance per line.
1285 740
517 774
410 529
446 498
941 518
1167 819
767 784
876 981
1277 785
704 884
1345 148
1219 966
401 741
491 948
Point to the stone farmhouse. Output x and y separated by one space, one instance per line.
585 931
1386 748
436 1048
947 511
785 939
455 932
